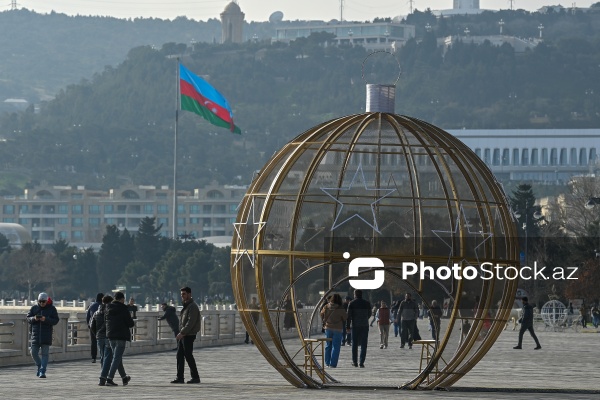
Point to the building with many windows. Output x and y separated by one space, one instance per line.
371 35
80 215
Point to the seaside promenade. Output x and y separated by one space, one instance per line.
567 367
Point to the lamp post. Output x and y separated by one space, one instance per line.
591 203
501 23
536 215
541 28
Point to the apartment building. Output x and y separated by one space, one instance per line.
80 215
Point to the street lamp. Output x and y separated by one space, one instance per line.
591 203
501 23
541 28
536 215
428 27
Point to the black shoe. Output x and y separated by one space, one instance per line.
538 347
178 381
126 380
401 346
194 380
109 382
517 347
102 382
93 361
43 376
362 365
354 364
246 341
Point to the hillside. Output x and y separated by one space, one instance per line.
116 125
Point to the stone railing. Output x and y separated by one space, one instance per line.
71 339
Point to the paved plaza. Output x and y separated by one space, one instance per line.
567 367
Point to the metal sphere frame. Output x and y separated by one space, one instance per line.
416 193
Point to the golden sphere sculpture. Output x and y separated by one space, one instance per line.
377 185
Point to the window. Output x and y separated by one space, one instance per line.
110 221
515 157
77 235
486 156
149 209
94 222
181 208
62 235
163 221
23 209
573 156
76 196
194 220
109 209
582 157
180 221
194 209
525 157
77 222
163 209
553 157
544 160
505 157
496 157
24 221
94 209
63 221
535 157
8 209
206 209
10 220
63 209
233 208
562 159
478 152
220 208
76 209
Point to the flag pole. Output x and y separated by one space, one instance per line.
178 106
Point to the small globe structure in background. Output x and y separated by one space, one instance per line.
554 313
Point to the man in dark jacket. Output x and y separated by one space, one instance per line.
189 326
527 325
118 331
359 312
99 329
407 314
171 316
42 317
88 318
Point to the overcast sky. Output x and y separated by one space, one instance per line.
259 10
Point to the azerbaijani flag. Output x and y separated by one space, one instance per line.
201 98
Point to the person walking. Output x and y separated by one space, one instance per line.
255 316
346 336
42 317
383 322
527 325
189 326
407 313
359 312
133 309
170 314
334 320
99 329
394 311
595 316
583 313
118 332
435 318
88 318
373 312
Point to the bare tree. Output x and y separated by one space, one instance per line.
31 266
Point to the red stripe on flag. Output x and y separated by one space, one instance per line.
188 90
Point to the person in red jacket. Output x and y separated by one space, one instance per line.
383 321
